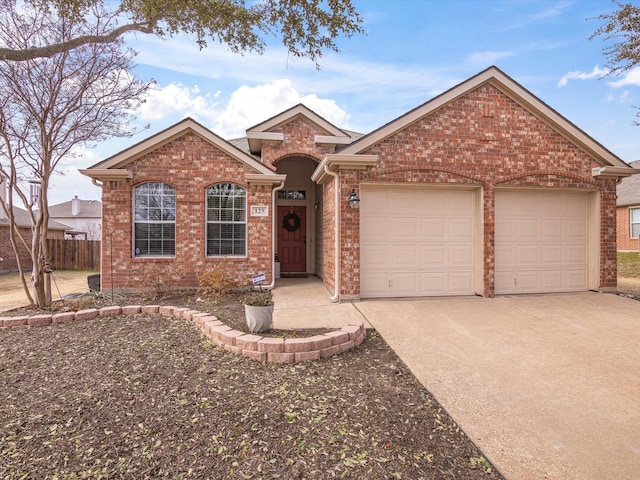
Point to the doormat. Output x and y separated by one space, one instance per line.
293 275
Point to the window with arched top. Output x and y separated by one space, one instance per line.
154 206
226 220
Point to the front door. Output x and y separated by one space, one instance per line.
292 238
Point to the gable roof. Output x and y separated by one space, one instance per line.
112 168
515 92
629 189
22 220
88 209
263 132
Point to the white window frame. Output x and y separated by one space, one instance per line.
238 219
634 222
164 207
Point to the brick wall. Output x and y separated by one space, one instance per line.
483 139
624 240
299 139
190 174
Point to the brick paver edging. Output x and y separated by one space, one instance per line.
264 349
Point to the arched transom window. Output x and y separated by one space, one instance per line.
226 220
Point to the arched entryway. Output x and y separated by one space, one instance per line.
299 217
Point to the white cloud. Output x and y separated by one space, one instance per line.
597 72
632 77
251 105
177 99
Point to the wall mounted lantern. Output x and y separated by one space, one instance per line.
354 200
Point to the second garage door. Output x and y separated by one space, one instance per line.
542 241
417 242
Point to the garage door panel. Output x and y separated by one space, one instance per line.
376 283
576 254
404 255
526 254
433 255
405 284
432 227
576 279
433 283
376 227
374 258
551 254
551 229
461 228
431 248
528 229
460 255
551 280
546 232
575 229
460 282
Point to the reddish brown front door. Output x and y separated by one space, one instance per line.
292 238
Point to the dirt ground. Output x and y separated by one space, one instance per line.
147 396
64 282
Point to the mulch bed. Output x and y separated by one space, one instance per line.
147 396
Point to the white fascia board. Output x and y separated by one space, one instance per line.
130 154
336 162
332 140
256 139
513 90
614 172
262 179
107 174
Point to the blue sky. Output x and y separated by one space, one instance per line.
412 51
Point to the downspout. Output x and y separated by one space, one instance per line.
336 281
274 230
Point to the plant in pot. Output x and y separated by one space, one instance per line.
258 310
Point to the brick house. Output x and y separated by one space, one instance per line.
482 190
628 212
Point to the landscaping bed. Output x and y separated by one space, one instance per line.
147 396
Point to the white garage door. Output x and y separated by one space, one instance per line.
541 241
416 242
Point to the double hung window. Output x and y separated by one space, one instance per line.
154 206
226 220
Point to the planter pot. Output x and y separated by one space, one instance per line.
258 318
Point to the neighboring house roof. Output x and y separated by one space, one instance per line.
629 188
518 94
22 220
88 209
113 167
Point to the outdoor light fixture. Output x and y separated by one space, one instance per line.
354 200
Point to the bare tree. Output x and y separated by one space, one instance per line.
49 106
306 27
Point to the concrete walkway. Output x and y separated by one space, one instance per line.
306 303
547 386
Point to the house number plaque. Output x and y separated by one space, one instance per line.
259 211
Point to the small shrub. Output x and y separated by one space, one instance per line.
216 282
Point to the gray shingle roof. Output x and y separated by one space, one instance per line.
22 220
629 188
88 209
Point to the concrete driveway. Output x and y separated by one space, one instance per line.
547 386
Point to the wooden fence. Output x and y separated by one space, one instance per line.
74 254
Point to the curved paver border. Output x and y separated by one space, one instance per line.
256 347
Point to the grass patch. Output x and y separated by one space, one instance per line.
629 264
